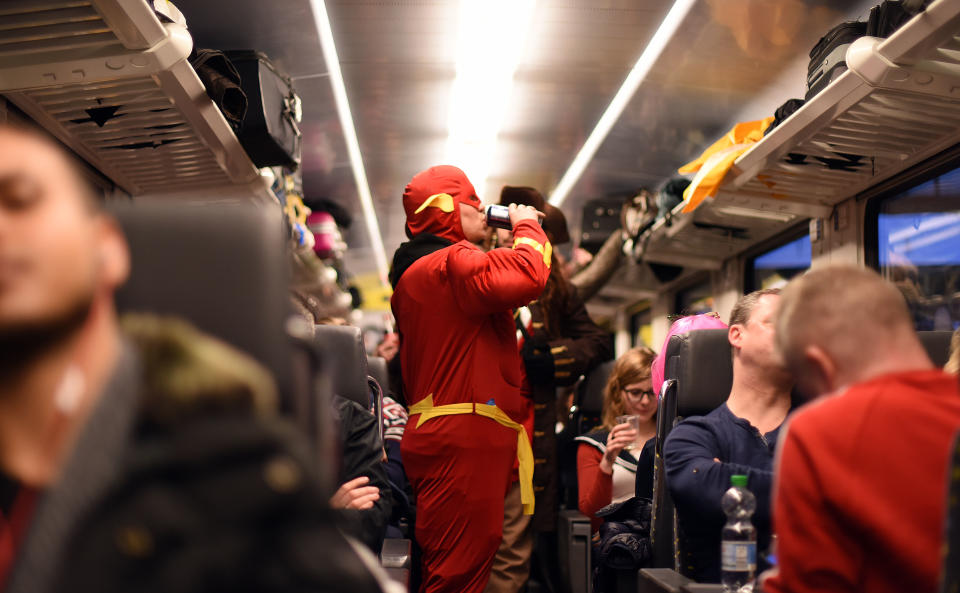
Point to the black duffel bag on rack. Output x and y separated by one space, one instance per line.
885 18
828 56
271 128
222 81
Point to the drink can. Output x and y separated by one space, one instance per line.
498 217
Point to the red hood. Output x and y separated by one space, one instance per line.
432 202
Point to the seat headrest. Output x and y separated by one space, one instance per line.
937 345
344 361
700 362
377 368
591 394
221 268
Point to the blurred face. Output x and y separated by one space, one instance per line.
473 222
755 338
640 400
55 251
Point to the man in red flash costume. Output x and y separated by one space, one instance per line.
461 371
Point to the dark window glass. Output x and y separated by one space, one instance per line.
695 300
918 249
776 267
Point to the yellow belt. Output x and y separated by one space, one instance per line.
427 410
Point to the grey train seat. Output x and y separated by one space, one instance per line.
188 261
937 345
950 568
345 361
574 527
377 368
698 374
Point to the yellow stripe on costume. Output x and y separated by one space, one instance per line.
546 250
443 202
427 410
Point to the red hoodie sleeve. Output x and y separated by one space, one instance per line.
502 279
595 488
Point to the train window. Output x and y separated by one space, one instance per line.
918 249
641 326
696 299
775 267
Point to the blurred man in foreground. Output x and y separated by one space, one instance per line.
861 477
139 458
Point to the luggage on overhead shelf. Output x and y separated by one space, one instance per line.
783 112
271 128
601 217
885 18
222 81
828 57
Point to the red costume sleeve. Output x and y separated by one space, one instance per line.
810 542
594 486
502 279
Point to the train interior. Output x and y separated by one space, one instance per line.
597 104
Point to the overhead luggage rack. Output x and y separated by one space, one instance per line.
113 83
897 105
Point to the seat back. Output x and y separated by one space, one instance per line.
585 415
698 375
221 268
377 368
937 345
588 402
950 568
345 361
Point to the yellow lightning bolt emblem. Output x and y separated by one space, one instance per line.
441 201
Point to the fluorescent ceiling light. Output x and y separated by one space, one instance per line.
636 76
350 135
491 38
752 213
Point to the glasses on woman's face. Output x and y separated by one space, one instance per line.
639 394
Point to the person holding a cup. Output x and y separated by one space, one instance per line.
609 458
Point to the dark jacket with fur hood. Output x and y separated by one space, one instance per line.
182 480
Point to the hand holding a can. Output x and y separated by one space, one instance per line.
506 217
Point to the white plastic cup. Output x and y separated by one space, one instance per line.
634 422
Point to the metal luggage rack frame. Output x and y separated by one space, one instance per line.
112 82
897 105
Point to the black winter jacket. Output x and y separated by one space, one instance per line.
182 481
362 455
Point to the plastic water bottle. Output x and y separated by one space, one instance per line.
738 548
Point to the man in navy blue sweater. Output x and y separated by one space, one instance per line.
738 437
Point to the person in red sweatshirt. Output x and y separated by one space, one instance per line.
462 371
860 486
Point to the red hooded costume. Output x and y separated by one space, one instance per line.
462 375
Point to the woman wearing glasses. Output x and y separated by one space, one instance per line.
608 458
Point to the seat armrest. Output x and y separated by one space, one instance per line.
395 553
702 588
661 580
575 564
399 575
